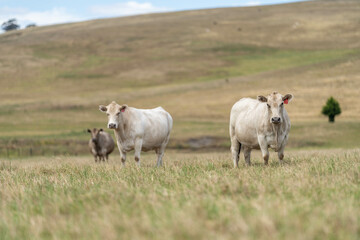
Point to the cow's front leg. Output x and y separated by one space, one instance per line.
138 146
264 149
122 154
123 157
281 150
281 153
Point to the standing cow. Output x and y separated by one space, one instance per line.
259 124
101 144
139 129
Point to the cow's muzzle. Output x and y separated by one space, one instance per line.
112 126
276 120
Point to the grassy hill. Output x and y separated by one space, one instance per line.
195 64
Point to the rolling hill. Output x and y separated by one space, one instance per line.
195 64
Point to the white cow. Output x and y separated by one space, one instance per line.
259 124
139 129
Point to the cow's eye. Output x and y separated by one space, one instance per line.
108 114
268 105
118 113
282 104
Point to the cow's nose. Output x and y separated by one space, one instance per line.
94 139
275 120
112 125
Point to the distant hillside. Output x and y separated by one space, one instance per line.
195 64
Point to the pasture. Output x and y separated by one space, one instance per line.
314 195
54 78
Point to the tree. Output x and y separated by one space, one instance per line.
11 24
331 109
30 25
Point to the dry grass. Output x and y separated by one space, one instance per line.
53 78
314 195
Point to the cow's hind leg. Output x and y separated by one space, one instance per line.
247 153
160 153
138 146
235 151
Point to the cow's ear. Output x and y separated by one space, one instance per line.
123 108
287 98
262 99
100 130
89 131
102 108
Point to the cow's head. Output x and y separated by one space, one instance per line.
95 134
114 112
275 104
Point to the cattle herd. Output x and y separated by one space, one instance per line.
260 123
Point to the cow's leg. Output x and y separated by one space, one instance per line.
264 149
247 153
103 154
235 150
95 157
160 153
282 148
138 146
281 153
123 157
107 157
122 154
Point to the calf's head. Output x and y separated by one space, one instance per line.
275 105
95 134
114 112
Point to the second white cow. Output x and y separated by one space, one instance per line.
259 124
139 129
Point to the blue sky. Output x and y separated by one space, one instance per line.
63 11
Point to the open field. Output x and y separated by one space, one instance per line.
195 64
314 195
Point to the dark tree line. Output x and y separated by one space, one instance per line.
10 25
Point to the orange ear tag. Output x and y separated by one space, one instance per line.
122 110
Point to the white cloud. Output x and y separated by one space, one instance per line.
252 3
125 9
24 16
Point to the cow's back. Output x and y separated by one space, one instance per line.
156 125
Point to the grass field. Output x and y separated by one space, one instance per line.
314 195
195 64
